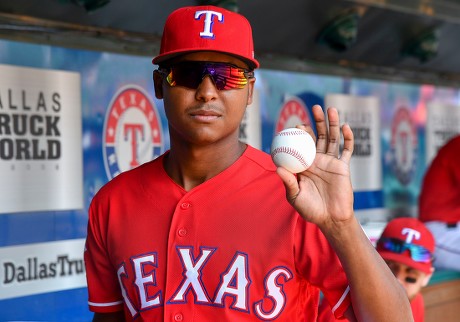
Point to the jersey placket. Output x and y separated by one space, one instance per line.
181 239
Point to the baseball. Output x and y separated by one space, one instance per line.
293 149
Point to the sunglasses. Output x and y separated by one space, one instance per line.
417 253
191 73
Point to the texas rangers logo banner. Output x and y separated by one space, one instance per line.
40 140
132 132
292 112
404 145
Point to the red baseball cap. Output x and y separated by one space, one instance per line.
207 28
410 231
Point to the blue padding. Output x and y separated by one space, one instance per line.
368 199
69 306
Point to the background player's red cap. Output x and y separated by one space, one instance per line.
413 232
207 28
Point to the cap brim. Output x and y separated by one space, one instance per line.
406 260
252 64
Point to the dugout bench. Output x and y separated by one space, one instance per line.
442 297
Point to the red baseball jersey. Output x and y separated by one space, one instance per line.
325 313
418 308
417 305
231 249
440 193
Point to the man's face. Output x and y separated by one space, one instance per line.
206 114
411 279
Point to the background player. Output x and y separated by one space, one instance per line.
407 247
439 204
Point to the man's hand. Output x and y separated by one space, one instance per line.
323 193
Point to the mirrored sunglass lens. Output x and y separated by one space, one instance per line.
191 75
417 253
395 247
420 254
220 82
185 75
234 81
228 77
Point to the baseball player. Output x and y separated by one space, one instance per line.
407 247
211 230
439 204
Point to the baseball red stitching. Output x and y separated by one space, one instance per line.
290 151
287 133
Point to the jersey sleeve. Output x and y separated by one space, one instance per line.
104 293
317 262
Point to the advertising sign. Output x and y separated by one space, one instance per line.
362 114
40 268
40 140
443 122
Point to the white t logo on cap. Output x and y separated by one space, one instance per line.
411 234
208 21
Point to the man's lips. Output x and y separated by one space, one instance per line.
205 115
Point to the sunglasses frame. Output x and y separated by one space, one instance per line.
208 68
403 246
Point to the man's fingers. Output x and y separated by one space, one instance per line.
308 129
334 132
328 140
321 129
290 183
348 143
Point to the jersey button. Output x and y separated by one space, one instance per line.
178 317
182 232
185 205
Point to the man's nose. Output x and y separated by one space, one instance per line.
207 90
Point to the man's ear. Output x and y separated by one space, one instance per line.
251 82
427 277
158 84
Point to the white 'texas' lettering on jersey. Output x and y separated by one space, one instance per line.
121 273
234 282
192 275
274 292
144 266
208 21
